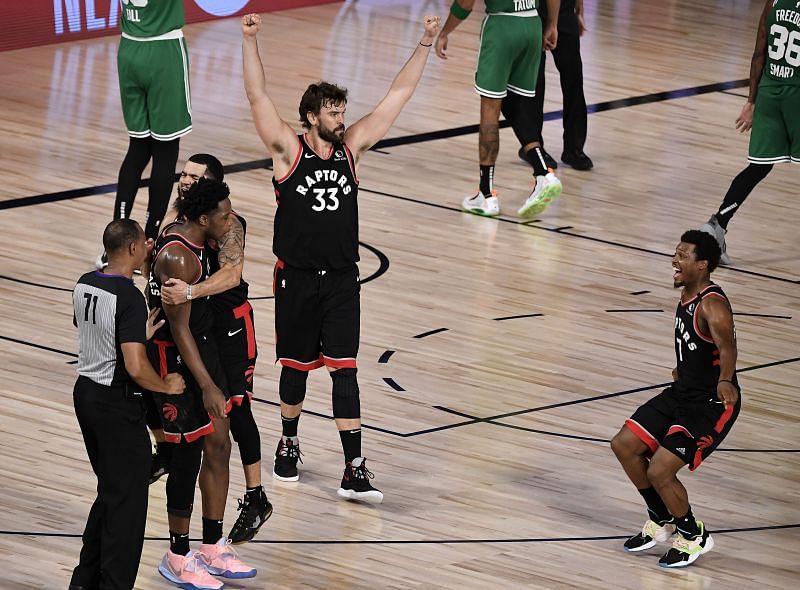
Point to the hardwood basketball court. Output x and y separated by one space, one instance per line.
498 357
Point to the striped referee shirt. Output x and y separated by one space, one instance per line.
108 310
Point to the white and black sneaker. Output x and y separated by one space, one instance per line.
286 457
652 532
356 485
685 551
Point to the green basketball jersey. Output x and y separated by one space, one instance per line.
782 65
509 6
150 18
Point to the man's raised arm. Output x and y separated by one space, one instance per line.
368 130
277 135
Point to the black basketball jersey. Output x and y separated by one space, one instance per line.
224 302
697 355
316 223
200 320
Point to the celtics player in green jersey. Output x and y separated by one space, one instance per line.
772 109
153 66
508 66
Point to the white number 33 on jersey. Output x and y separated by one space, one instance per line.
326 199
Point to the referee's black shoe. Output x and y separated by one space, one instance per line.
252 515
356 485
577 159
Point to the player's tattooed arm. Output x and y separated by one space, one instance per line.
231 247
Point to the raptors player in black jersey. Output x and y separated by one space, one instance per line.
684 423
195 421
234 332
317 306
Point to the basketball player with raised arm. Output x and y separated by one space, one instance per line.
316 282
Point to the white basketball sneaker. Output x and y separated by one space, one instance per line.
480 205
547 189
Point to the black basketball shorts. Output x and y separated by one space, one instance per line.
184 416
690 429
317 317
234 331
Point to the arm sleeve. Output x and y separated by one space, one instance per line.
132 320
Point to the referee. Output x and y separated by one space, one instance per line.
111 316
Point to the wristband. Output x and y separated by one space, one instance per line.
423 44
458 11
725 381
188 292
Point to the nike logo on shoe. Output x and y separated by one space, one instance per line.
235 332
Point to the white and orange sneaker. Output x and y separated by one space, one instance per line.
221 560
187 571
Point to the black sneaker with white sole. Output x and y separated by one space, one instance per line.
252 515
286 457
356 485
684 552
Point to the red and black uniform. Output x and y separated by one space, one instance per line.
316 282
234 331
235 334
687 418
184 416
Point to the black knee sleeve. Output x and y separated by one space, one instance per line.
345 394
245 433
292 388
183 470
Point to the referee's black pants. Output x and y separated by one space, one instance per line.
113 427
567 57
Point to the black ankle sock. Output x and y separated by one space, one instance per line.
487 180
656 508
179 543
687 525
740 188
212 530
289 425
351 443
536 158
255 495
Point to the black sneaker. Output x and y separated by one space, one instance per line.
577 159
251 517
286 457
686 551
159 468
101 261
355 483
651 533
549 161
